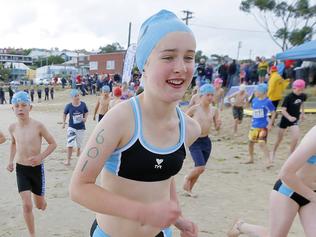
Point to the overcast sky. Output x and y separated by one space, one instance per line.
76 24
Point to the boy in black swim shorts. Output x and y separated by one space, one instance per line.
26 150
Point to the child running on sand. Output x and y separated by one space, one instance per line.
292 113
143 147
102 105
219 93
78 114
27 135
258 133
205 114
117 93
239 102
294 193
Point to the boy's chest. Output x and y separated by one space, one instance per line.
76 111
204 116
26 136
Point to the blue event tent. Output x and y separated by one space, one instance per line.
306 51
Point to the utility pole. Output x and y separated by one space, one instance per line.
188 16
250 53
239 46
129 34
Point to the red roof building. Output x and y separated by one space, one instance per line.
107 63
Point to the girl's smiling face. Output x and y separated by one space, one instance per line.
170 66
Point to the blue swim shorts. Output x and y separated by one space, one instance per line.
200 150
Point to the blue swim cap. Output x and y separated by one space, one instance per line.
262 88
21 97
206 89
74 92
106 89
153 30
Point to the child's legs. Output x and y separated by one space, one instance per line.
69 152
282 211
71 142
78 151
79 140
198 157
235 115
251 150
236 125
206 148
295 135
40 202
279 139
253 230
308 219
264 147
27 211
194 175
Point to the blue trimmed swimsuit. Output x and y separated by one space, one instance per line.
140 161
285 190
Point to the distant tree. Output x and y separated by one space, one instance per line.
198 55
288 23
84 51
111 48
55 60
26 51
51 60
4 73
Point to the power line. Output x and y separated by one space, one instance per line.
188 16
230 29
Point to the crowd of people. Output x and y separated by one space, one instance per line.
234 73
139 141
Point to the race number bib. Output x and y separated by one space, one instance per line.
78 118
258 113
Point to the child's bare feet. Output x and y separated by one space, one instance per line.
247 162
272 156
190 194
186 184
235 229
269 165
67 162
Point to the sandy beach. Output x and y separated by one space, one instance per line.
226 190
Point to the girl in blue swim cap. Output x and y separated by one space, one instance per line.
139 144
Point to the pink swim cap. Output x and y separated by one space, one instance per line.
218 81
298 84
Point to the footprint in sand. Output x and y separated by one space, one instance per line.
58 185
229 172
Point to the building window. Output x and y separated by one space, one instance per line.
93 65
110 65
